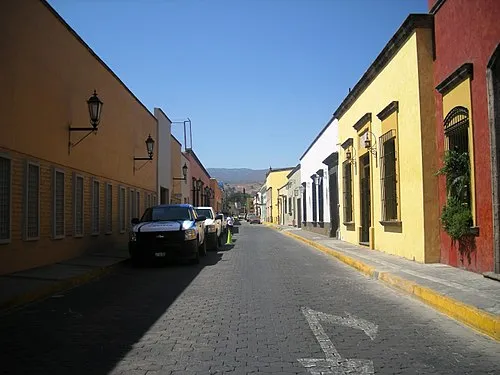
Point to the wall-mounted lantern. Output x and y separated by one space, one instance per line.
199 184
184 173
302 189
348 155
94 105
150 144
370 145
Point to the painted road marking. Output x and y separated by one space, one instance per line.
333 363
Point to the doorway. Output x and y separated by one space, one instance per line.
299 214
334 201
365 202
493 79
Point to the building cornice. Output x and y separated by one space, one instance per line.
437 5
317 137
412 22
388 110
367 117
191 152
297 167
455 78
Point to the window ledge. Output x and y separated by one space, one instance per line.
78 235
474 231
58 237
348 223
393 223
31 239
108 233
5 241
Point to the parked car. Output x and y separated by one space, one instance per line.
169 231
213 227
253 219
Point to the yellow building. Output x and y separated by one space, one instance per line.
275 178
388 193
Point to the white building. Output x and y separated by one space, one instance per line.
319 178
164 156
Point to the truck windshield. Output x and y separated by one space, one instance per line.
204 212
166 213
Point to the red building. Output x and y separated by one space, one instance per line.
466 75
201 194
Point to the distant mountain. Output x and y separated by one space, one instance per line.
238 175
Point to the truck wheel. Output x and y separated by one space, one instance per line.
202 249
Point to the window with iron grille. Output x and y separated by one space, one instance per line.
347 190
155 201
320 199
456 129
58 219
388 176
314 202
78 205
5 198
121 208
32 208
109 208
95 207
138 203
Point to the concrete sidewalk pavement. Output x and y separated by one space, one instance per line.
23 287
465 296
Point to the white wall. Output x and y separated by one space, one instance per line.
164 152
186 185
312 161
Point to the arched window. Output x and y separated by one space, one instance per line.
456 129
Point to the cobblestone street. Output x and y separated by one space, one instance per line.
267 305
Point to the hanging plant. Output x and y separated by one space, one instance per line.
456 216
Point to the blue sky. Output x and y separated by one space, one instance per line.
258 78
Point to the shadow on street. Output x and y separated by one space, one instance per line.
89 329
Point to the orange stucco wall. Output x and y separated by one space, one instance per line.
46 81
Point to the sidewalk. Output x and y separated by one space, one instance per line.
465 296
28 286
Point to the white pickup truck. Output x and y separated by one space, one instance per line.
213 227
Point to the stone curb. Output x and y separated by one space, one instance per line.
58 286
484 322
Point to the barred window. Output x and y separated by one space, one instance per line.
78 205
109 208
147 200
456 129
132 205
58 219
347 190
388 176
95 207
155 202
320 199
314 203
5 198
32 208
121 207
138 203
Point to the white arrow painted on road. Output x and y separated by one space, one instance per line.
333 363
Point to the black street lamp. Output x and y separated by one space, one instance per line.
94 105
95 108
150 144
184 173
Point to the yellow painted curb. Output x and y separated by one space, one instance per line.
482 321
360 266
